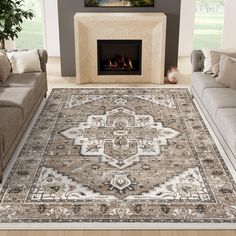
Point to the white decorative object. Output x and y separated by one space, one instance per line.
25 61
148 27
173 75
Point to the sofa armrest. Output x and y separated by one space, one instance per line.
197 60
43 55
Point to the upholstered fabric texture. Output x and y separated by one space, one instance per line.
38 81
216 57
20 95
203 81
217 101
11 120
218 98
212 59
225 117
25 61
207 61
17 97
5 67
197 60
227 74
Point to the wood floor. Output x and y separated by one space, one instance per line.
121 233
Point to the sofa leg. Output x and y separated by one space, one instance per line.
45 95
0 179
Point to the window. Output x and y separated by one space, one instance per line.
209 21
32 34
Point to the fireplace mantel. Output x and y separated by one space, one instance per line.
148 27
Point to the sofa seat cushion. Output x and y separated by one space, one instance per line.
201 81
36 80
218 98
17 97
226 122
10 124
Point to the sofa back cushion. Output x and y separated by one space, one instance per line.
227 73
216 56
212 59
5 67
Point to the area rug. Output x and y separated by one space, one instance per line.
119 155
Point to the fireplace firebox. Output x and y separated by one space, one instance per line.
119 57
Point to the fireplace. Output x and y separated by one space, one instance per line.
136 40
119 57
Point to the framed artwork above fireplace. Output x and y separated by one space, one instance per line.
119 3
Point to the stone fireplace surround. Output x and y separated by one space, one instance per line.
148 27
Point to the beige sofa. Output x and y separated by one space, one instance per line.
218 103
20 97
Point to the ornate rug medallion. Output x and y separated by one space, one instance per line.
119 155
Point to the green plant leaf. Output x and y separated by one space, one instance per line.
12 15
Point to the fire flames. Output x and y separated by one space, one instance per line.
119 63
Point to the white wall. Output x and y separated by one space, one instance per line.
229 33
51 27
187 17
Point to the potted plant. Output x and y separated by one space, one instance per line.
12 15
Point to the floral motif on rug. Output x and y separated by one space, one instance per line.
119 155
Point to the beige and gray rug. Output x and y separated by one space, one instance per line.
119 155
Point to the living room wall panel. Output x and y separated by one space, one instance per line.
67 9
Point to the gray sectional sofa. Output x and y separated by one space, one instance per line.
20 97
218 104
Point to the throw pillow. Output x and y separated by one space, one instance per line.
207 62
227 73
212 59
5 67
215 59
25 61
